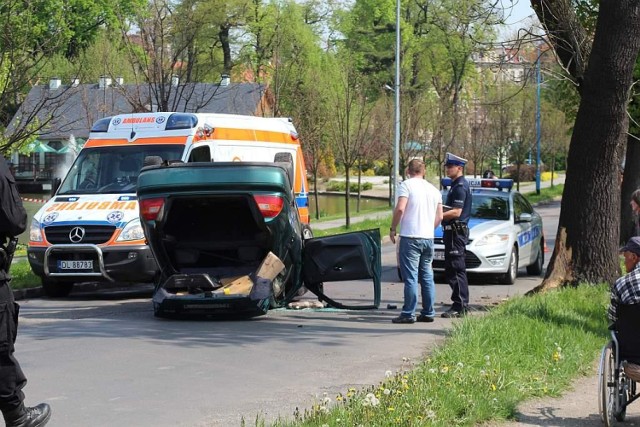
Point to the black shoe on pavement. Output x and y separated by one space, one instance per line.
22 416
403 319
425 319
453 313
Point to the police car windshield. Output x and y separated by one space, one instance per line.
112 170
488 206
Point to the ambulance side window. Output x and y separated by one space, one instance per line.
200 154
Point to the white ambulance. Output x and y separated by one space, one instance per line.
90 229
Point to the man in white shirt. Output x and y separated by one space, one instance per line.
418 211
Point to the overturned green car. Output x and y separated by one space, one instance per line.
213 226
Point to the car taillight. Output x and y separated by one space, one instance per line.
270 206
150 208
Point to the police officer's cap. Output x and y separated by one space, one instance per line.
452 159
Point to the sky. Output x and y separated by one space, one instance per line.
517 15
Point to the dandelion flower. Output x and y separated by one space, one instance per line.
460 365
432 371
388 374
387 392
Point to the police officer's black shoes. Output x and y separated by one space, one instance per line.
453 313
22 416
425 319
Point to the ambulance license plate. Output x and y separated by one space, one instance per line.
76 265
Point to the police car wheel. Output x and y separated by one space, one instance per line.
535 269
509 278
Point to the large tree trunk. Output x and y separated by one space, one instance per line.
587 240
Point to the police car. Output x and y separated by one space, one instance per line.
505 232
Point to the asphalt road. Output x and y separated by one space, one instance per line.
102 359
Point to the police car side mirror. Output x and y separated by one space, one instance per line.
525 217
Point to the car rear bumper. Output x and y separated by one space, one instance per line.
166 304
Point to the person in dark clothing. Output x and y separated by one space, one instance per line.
456 232
13 221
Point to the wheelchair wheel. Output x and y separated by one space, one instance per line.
624 390
608 386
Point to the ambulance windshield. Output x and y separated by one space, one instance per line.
109 170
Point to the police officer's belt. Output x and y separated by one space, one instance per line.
447 227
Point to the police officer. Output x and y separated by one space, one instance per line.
456 232
13 221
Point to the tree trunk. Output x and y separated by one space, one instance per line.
630 183
587 239
347 195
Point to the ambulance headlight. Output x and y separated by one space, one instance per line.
132 231
35 234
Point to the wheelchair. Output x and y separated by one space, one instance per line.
617 374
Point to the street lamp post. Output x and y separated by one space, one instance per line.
396 142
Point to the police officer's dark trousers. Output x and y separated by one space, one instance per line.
455 269
12 380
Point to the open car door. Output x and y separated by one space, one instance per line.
343 257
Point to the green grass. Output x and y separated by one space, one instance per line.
527 347
22 276
546 194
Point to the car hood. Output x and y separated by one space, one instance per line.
477 227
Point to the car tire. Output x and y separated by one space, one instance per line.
509 278
535 269
55 289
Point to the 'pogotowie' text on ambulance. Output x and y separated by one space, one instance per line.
90 229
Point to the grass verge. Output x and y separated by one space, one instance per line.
527 347
22 277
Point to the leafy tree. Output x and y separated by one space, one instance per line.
32 34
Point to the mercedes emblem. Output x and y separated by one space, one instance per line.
76 234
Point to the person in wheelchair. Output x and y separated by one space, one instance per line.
620 360
626 290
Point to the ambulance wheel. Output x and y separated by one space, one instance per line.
509 278
54 289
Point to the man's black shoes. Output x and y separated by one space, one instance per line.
22 416
403 319
454 314
406 319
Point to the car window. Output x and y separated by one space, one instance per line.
200 154
488 206
521 205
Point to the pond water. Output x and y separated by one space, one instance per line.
333 204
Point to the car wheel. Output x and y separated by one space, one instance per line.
535 269
509 278
54 289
